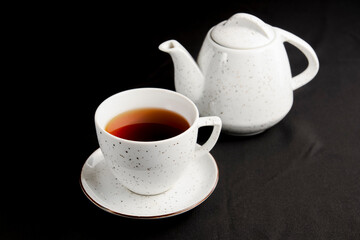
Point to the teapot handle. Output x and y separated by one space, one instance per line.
313 63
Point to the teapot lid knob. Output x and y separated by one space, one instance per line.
242 31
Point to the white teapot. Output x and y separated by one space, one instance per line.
243 73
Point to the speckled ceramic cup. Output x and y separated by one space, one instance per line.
152 167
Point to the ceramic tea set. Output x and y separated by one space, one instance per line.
241 84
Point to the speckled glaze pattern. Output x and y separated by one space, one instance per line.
249 89
104 189
249 93
242 31
150 168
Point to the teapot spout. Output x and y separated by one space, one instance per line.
189 80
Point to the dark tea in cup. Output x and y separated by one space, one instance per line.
147 124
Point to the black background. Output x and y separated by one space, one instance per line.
298 180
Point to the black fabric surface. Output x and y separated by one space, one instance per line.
298 180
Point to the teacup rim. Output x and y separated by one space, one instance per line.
192 125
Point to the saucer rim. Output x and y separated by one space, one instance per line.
154 216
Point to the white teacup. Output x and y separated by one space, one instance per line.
152 167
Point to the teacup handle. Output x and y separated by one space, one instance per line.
210 143
313 63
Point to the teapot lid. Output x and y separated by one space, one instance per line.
242 31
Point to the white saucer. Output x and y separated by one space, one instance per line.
106 192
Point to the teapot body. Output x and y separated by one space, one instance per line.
249 89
